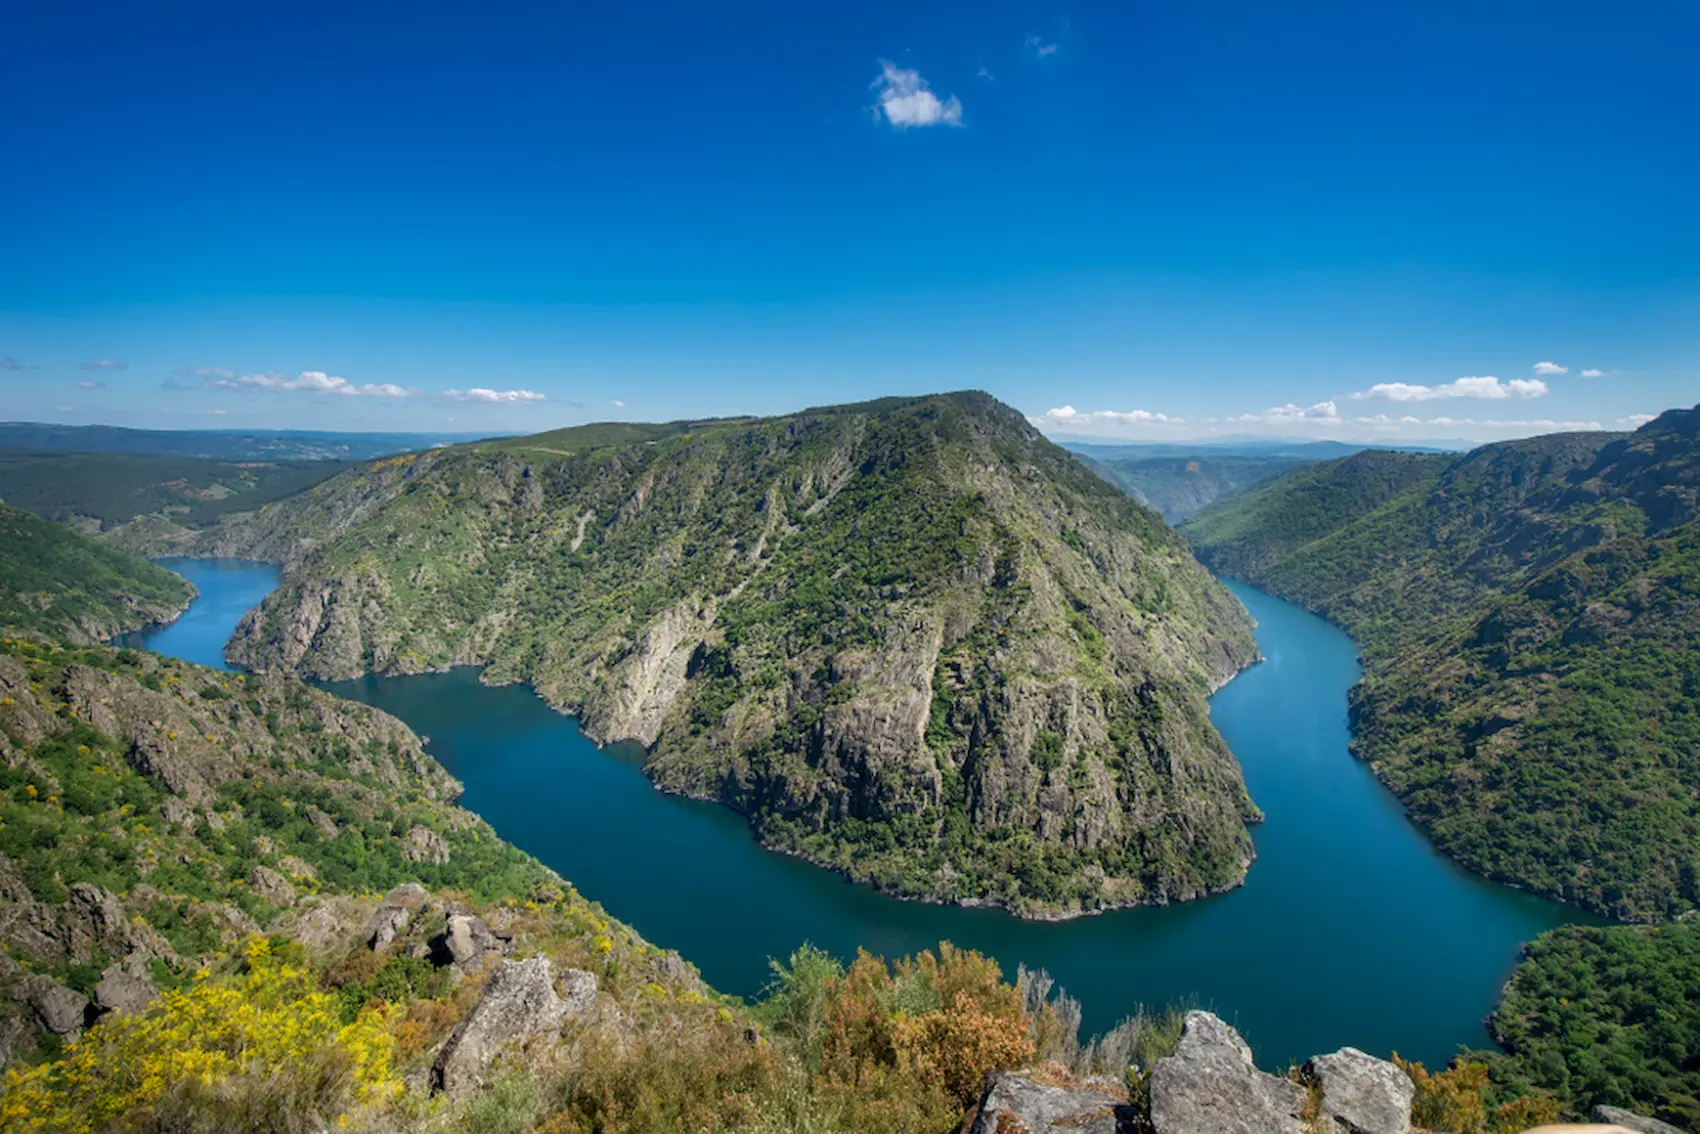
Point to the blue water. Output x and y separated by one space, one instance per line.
1350 930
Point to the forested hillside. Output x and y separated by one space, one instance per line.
911 639
98 491
58 584
1530 615
1179 487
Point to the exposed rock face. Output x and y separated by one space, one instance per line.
121 990
424 845
60 1010
518 1004
1020 1102
394 912
1210 1085
1363 1094
272 886
469 944
1631 1121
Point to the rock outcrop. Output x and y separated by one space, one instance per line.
1631 1121
518 1005
1038 1102
1362 1094
394 912
1210 1085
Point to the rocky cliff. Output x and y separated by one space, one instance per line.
912 639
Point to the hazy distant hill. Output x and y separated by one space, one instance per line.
911 639
229 445
1530 613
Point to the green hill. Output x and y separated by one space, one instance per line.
1179 487
911 639
1530 615
62 585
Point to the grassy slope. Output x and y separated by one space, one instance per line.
912 639
1531 625
60 584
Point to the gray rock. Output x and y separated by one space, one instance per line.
1017 1101
123 991
60 1010
322 823
1211 1086
394 912
332 922
518 1004
176 811
469 944
271 886
1363 1094
421 844
1631 1121
17 1039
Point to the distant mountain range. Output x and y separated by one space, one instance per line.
229 445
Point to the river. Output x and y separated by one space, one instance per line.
1349 930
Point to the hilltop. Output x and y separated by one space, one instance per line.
910 639
1530 615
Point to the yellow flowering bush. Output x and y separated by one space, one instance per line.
265 1049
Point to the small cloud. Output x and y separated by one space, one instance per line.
105 364
308 381
86 385
10 363
1068 415
479 394
1488 387
905 99
1637 420
1289 413
1040 48
984 73
1592 373
617 404
1550 368
204 372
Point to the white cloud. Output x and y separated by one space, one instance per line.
1325 412
308 381
480 394
617 404
1636 420
1550 368
1040 47
905 99
1592 373
85 385
1487 387
105 364
984 73
1069 416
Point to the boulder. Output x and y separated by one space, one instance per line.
175 811
60 1010
394 912
330 923
468 944
421 844
322 823
1632 1121
123 991
1362 1094
518 1004
1031 1102
1210 1085
271 886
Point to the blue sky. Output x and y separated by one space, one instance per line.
1125 219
